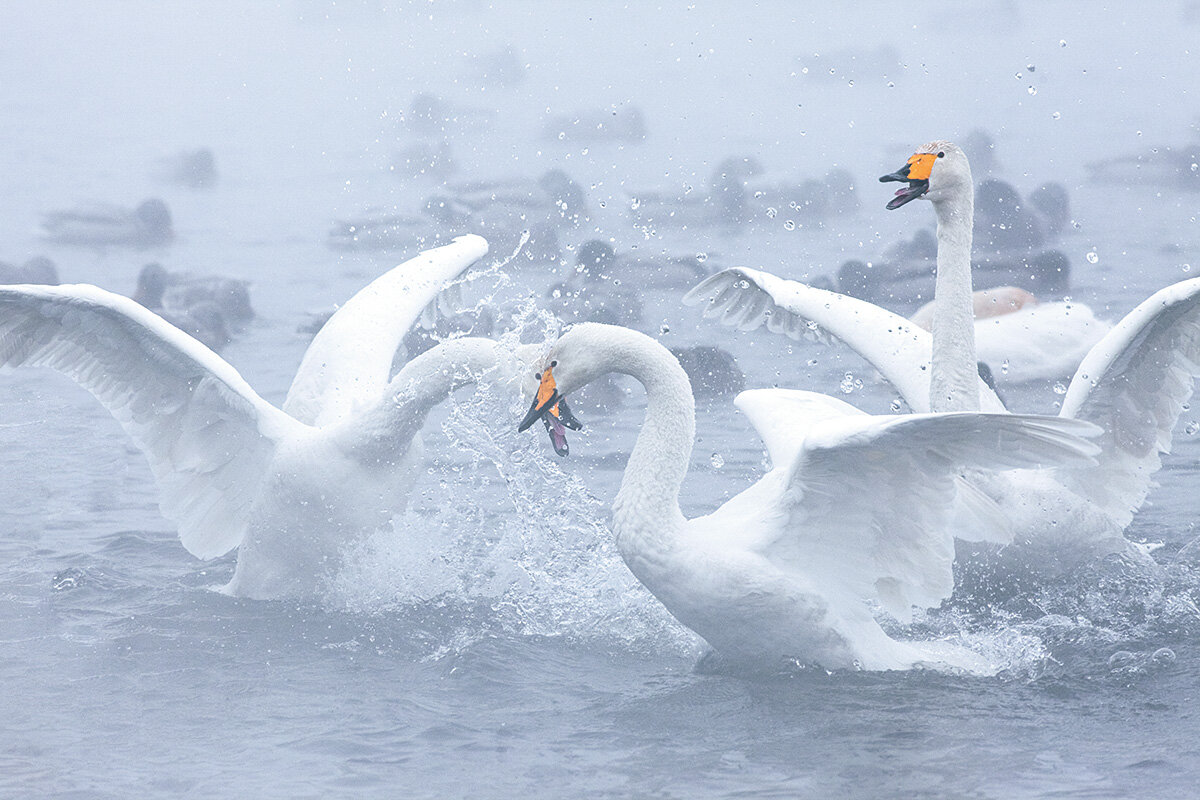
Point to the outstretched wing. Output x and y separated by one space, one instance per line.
348 363
870 500
898 349
208 436
1134 384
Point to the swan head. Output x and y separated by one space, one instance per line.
938 171
580 355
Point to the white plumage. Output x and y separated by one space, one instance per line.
1133 383
857 509
288 488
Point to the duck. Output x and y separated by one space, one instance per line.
289 487
1133 384
383 230
626 124
38 270
713 371
810 200
100 225
782 574
1167 167
158 288
193 169
725 204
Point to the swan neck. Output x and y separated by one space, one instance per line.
953 379
646 515
421 384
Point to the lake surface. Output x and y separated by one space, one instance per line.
492 644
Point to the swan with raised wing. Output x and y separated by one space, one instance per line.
857 509
289 488
1133 383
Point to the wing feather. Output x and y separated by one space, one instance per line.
871 499
1134 384
898 349
349 362
207 434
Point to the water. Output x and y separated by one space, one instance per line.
493 644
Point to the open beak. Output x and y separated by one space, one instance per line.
545 399
550 407
916 174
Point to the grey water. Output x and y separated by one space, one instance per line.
492 644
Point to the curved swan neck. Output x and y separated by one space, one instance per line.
420 385
953 378
646 512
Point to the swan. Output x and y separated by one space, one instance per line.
1024 339
290 486
1133 383
855 509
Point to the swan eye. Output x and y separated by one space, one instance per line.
553 364
941 155
538 376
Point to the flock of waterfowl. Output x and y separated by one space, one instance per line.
859 513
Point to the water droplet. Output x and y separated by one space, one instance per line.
562 135
742 284
1186 267
850 383
1004 367
1163 655
851 83
1192 428
1195 166
1062 42
772 212
687 188
702 257
66 580
1122 659
1060 388
604 204
664 328
1032 90
789 225
1093 257
583 152
1031 67
1056 115
717 460
896 405
635 204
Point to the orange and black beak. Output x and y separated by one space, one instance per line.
916 174
552 409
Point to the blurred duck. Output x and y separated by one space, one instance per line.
207 308
725 204
806 200
553 199
713 372
148 225
591 295
428 115
158 287
424 160
1165 167
626 124
379 229
194 169
37 270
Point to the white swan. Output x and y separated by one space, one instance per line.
1133 383
856 508
1024 340
287 487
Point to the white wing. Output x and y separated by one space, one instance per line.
898 349
208 436
869 500
1134 384
349 362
